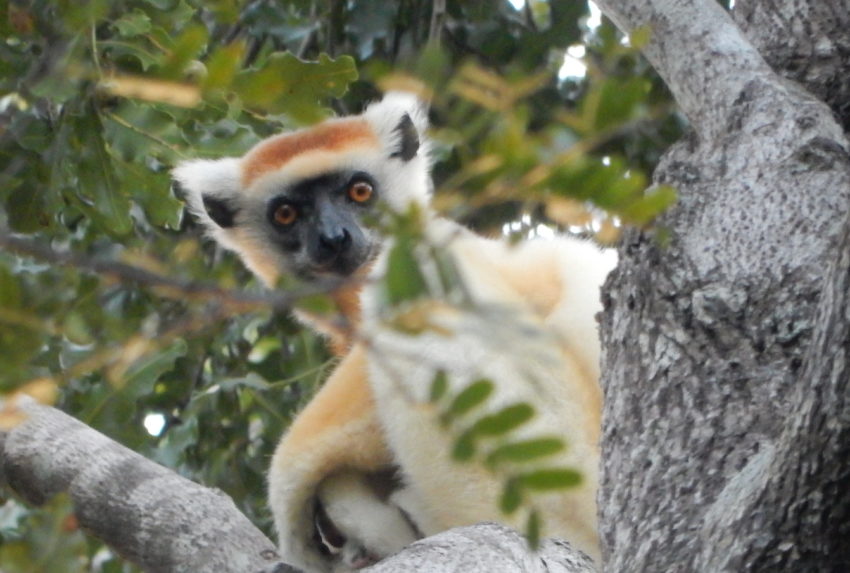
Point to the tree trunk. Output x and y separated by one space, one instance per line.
726 426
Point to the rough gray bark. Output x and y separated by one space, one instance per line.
149 514
166 523
804 40
726 424
485 548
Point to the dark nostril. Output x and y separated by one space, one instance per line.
336 242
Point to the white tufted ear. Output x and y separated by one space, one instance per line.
400 121
211 189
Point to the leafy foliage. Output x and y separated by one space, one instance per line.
99 99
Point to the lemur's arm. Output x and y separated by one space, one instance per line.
359 521
338 429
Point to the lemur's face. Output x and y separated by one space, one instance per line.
316 225
319 222
298 203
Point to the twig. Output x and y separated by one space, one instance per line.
135 129
438 16
308 39
529 17
170 287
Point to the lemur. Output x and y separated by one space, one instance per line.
296 204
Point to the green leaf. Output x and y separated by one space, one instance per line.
503 421
101 197
134 23
225 11
470 397
525 451
75 329
439 386
619 100
464 447
26 209
186 48
10 289
549 479
622 190
640 36
532 529
653 203
81 15
261 349
152 191
18 341
433 64
146 55
145 372
451 279
31 133
285 84
97 192
511 496
136 131
404 280
223 65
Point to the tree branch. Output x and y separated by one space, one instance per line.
484 548
167 286
438 16
806 41
149 514
698 50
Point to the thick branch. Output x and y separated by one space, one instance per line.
485 548
698 50
149 514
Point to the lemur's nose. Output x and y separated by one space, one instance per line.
335 241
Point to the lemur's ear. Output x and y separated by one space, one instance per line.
211 190
400 121
220 211
409 141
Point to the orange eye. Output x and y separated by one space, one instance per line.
360 192
285 214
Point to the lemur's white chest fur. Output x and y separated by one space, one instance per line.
296 204
536 341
